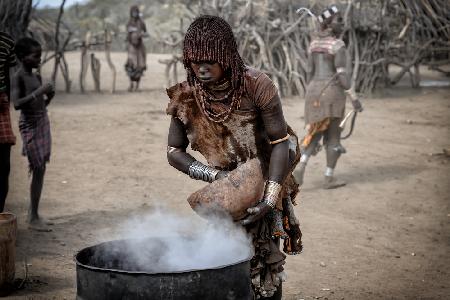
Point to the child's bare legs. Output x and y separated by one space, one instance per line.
37 182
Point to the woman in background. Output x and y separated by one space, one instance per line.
137 61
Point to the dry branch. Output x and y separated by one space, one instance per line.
108 41
15 17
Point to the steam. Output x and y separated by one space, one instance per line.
163 241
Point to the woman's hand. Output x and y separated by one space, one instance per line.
357 106
256 213
221 174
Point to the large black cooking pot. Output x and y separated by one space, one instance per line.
108 271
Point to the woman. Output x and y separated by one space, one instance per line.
137 61
325 98
232 113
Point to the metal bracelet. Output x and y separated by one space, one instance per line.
199 171
171 150
280 140
271 193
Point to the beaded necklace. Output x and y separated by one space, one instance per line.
204 98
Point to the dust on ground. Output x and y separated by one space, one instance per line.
386 235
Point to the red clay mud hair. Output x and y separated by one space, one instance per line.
210 38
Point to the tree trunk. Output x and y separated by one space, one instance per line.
108 41
95 69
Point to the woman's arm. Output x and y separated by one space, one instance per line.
177 143
310 70
276 129
344 74
184 162
340 63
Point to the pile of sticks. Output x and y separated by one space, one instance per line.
400 33
50 33
15 17
378 34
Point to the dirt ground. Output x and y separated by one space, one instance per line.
386 235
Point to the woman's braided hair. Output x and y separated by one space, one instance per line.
210 38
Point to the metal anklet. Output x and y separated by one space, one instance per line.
199 171
271 193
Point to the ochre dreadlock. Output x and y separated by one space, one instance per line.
210 38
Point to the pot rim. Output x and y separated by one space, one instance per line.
12 218
98 269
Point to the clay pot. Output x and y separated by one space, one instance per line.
107 271
8 231
241 189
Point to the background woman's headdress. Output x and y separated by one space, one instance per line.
327 14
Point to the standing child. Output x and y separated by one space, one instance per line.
32 97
